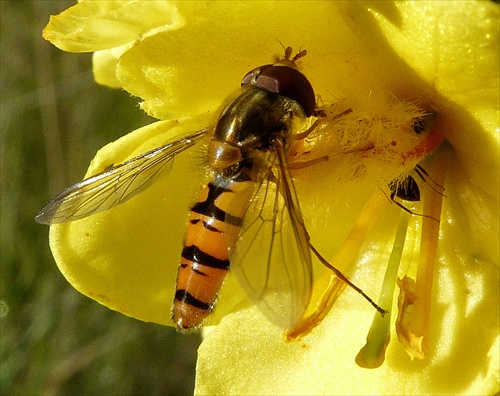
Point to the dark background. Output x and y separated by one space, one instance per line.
54 117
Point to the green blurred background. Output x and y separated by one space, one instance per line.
54 118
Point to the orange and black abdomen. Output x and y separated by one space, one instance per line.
205 256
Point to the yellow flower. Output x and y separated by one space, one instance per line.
184 60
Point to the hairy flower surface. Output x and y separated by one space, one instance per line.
184 59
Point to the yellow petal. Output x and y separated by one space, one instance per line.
97 25
245 354
104 64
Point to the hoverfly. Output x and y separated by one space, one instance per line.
249 205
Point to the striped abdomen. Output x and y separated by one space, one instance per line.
214 221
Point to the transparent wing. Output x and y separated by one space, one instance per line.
271 258
115 185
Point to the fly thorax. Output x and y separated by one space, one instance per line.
251 122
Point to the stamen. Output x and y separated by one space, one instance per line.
372 355
414 314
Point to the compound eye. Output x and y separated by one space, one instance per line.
285 81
